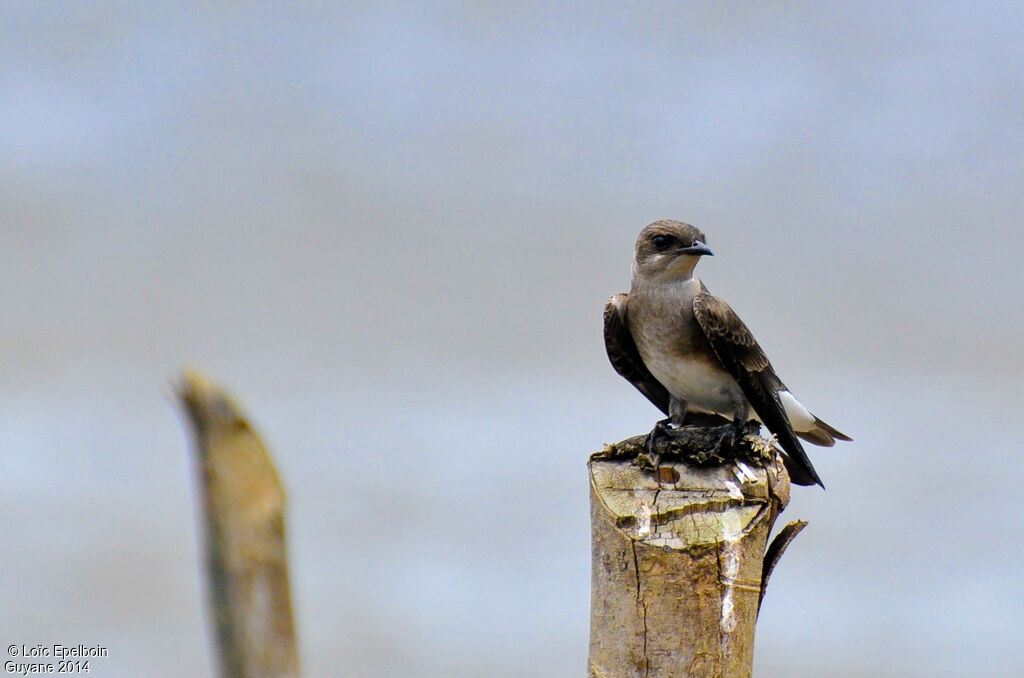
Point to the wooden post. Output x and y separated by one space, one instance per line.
678 562
246 561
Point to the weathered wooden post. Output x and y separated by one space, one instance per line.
246 559
679 555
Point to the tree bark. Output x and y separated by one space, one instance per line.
246 560
679 556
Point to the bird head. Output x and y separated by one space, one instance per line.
667 251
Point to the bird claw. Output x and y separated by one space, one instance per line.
726 440
652 459
730 438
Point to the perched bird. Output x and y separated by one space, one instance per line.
688 352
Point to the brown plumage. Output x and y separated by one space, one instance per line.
686 350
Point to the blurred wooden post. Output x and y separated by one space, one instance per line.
246 561
679 561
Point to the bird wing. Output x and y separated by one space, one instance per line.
624 356
742 358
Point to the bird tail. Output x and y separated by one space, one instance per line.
799 468
823 434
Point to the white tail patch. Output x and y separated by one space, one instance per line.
799 417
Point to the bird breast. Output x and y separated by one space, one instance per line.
675 350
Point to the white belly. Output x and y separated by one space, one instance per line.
704 386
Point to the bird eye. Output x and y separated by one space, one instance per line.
661 242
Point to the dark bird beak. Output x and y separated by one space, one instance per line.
697 249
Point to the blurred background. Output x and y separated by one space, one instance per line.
390 230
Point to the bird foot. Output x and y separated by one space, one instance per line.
692 444
726 441
731 436
664 429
